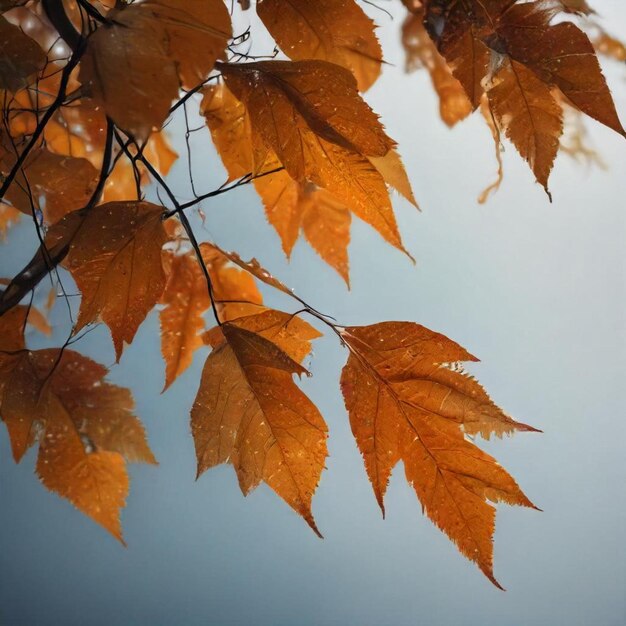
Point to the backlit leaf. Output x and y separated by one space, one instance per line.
115 259
330 30
84 425
407 404
250 413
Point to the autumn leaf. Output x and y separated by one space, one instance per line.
287 331
234 289
115 259
456 31
250 413
330 30
406 403
186 299
241 151
530 116
145 46
128 51
454 103
310 114
291 207
84 425
524 57
188 27
53 184
20 57
561 55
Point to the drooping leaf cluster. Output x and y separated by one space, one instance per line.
88 87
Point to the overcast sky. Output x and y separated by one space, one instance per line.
536 290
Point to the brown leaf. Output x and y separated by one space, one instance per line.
56 185
144 46
561 55
235 291
407 404
115 259
186 299
129 51
250 413
530 117
20 57
195 31
330 30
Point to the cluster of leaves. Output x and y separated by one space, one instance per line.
520 67
87 87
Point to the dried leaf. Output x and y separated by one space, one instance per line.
129 51
530 117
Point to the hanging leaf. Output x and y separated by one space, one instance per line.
407 404
20 57
186 299
84 425
115 259
250 413
330 30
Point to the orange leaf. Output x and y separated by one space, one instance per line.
454 103
235 291
330 30
290 333
407 404
84 425
530 117
115 259
250 413
186 299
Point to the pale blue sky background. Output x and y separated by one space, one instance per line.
537 291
